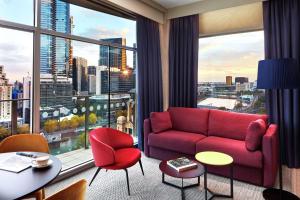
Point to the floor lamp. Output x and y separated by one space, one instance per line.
277 74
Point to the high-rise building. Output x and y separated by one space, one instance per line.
134 57
112 56
26 95
55 51
120 82
92 70
241 80
56 91
228 80
5 94
92 84
80 75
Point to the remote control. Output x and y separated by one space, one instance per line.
26 154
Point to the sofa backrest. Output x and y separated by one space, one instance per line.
189 119
231 124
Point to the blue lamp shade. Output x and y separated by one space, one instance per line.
278 74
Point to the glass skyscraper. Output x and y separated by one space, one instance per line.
55 52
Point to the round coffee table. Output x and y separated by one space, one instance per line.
192 173
212 158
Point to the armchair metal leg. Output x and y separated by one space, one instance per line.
141 165
127 181
98 170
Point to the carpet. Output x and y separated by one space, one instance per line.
111 185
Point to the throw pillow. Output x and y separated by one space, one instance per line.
255 133
160 121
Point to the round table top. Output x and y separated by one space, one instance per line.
214 158
17 185
191 173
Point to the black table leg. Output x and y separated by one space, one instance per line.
213 195
231 181
182 187
205 182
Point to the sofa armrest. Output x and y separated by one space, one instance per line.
147 131
270 150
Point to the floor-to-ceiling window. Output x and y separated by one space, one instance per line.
227 72
84 73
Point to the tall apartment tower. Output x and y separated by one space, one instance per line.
55 52
5 93
114 57
80 75
228 80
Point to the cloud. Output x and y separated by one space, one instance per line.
16 53
234 55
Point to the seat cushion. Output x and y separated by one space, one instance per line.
160 121
194 120
125 158
231 124
174 140
255 133
234 148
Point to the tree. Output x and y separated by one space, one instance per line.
3 133
51 125
81 120
239 105
74 122
121 113
23 128
64 124
92 118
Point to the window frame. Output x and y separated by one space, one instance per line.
37 31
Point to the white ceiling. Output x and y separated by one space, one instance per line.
175 3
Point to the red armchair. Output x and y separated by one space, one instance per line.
113 150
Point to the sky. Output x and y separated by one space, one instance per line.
230 55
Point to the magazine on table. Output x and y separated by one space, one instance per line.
14 163
182 164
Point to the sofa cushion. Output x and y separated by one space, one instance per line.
255 133
231 124
160 121
174 140
234 148
194 120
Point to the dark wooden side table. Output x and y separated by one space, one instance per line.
192 173
213 158
17 185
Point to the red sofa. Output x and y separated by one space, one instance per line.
194 130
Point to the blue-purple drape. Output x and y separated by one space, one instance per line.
282 40
150 96
183 61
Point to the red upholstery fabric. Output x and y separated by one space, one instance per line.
270 154
161 121
147 131
125 158
234 148
190 119
176 140
242 173
255 133
230 124
112 149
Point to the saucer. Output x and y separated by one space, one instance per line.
35 165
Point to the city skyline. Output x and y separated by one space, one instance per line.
87 23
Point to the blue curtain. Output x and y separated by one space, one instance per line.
183 61
282 40
150 95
